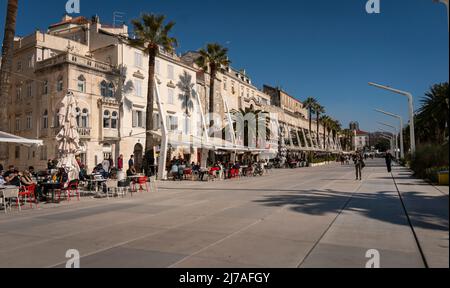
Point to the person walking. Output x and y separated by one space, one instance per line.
359 165
131 161
120 163
388 159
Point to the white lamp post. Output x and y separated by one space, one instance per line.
402 147
395 136
411 112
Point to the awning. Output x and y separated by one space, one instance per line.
9 138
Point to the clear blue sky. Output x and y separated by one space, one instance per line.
327 49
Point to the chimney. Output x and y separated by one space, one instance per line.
66 17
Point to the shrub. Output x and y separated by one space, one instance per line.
429 160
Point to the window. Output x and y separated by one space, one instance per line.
45 120
170 96
29 90
17 123
19 66
106 119
138 119
60 84
103 88
45 87
17 152
156 122
85 118
187 126
137 59
78 116
43 153
157 67
31 61
110 92
138 87
18 93
172 123
29 121
170 72
81 84
114 120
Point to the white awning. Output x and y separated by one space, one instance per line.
9 138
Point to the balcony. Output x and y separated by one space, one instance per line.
75 59
85 133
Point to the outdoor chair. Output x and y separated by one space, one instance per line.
72 188
111 188
28 194
9 195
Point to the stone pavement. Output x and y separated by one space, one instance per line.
311 217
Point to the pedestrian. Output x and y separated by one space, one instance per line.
120 163
111 162
131 161
388 159
106 165
359 165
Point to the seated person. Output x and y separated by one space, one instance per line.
62 176
12 177
26 179
181 169
174 171
83 174
131 171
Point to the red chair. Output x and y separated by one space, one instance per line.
141 181
73 187
28 193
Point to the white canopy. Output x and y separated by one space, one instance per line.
9 138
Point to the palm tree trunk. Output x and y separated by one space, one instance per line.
318 129
310 120
149 125
5 69
212 81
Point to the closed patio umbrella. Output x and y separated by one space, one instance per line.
68 138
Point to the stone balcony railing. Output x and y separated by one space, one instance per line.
84 133
75 59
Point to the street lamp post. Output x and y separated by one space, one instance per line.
392 137
411 112
391 141
395 135
402 147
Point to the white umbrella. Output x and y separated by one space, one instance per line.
68 138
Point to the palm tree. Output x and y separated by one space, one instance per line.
319 109
186 85
151 34
432 119
310 104
326 122
5 69
214 57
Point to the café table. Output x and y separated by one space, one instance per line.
50 187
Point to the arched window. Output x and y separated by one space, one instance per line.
106 119
103 88
45 88
114 120
81 84
45 120
110 90
78 116
60 84
85 118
